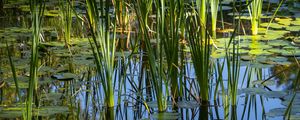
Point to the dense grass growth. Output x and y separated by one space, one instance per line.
152 59
37 10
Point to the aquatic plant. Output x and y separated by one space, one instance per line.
142 9
66 10
169 22
214 5
37 10
255 10
103 45
13 70
200 51
201 7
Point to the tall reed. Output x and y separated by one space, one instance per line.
200 51
142 9
168 25
201 7
255 10
66 10
37 10
214 4
13 70
103 45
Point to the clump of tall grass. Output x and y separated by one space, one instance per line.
255 10
66 10
168 25
103 45
37 10
142 9
200 50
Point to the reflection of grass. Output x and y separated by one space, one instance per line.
37 10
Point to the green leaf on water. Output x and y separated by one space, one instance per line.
65 76
187 104
273 25
50 110
293 28
284 21
166 116
263 82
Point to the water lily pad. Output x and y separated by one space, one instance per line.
65 76
217 54
54 44
263 82
273 25
188 104
280 112
259 52
153 104
263 92
278 43
296 21
293 28
284 21
50 110
166 116
10 114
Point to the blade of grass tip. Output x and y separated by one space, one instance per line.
13 70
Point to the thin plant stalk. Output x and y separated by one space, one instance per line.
37 9
200 51
103 46
214 4
255 10
142 9
13 70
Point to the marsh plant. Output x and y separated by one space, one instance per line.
255 10
37 9
103 45
66 15
169 27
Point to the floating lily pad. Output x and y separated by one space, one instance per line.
280 112
10 114
278 43
263 92
65 76
217 54
263 82
296 22
284 21
273 25
166 116
188 104
153 104
54 44
50 110
293 28
259 52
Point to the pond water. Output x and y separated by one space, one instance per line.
69 85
